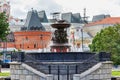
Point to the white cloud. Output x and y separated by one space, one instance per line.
19 8
94 7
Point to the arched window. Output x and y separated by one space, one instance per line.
20 46
35 46
26 38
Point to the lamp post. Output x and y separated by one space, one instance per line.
82 37
4 50
23 45
41 37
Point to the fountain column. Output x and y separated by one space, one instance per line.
60 41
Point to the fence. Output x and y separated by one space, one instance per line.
59 57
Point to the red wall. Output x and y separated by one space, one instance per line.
8 44
30 40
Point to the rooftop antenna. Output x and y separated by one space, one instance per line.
85 18
84 13
32 9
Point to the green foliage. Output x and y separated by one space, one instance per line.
108 40
5 74
115 73
4 30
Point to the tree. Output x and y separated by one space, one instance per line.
4 30
108 40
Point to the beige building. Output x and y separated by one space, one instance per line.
94 27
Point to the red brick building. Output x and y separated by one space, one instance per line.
29 40
32 36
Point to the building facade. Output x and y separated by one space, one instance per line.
94 27
32 40
5 7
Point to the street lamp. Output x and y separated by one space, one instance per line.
82 37
4 50
41 37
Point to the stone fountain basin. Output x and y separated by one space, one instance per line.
60 25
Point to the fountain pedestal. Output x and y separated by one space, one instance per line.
60 41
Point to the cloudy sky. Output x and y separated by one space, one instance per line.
19 8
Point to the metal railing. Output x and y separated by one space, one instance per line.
61 68
59 57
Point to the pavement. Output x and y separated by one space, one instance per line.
113 69
5 69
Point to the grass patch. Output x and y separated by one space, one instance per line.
5 74
115 73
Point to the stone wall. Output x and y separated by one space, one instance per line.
19 72
101 71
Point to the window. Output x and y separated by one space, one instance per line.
26 38
34 45
20 46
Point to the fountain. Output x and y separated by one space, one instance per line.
57 65
60 41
